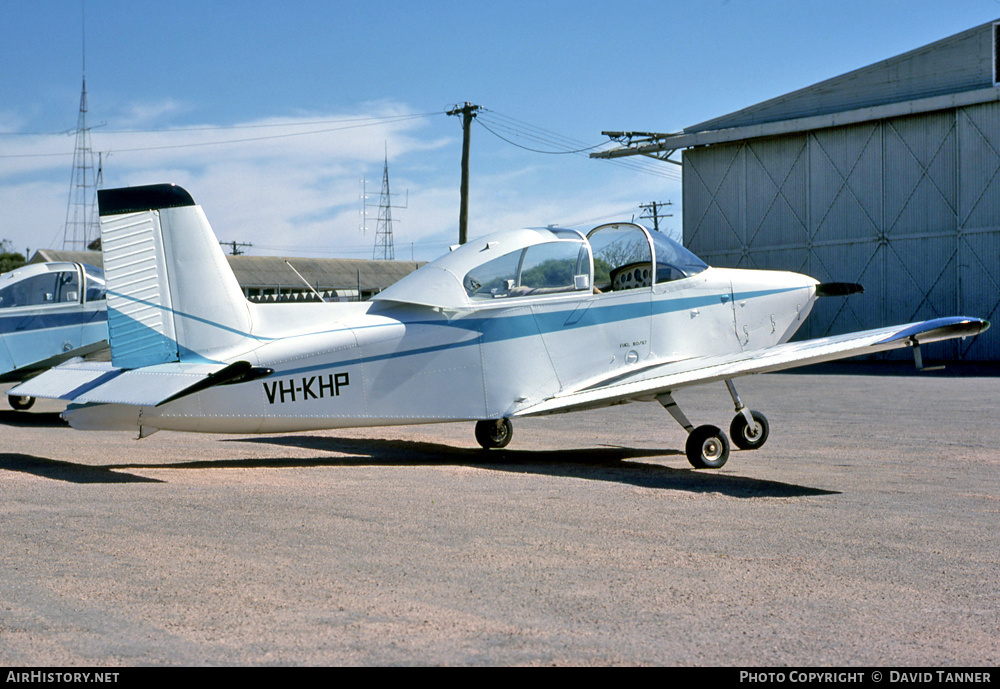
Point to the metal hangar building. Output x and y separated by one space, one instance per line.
888 176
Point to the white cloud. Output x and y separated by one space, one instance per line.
292 185
145 114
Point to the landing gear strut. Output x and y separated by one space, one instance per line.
707 446
493 435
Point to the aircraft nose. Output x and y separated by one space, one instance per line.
798 281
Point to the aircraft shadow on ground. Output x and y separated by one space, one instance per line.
70 472
607 463
610 464
32 419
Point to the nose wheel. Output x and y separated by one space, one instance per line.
747 436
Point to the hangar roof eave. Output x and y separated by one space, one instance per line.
665 144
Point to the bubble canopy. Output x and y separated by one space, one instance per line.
546 264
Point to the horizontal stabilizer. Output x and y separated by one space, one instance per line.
102 382
654 380
27 370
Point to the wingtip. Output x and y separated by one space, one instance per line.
940 329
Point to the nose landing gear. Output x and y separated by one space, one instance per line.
707 446
749 435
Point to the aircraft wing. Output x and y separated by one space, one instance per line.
82 382
650 381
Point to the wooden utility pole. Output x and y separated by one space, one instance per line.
468 112
655 208
236 246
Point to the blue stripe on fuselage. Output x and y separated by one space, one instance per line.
22 323
501 328
492 329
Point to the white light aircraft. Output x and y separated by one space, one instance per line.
49 313
521 323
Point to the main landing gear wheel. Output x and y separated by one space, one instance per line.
18 402
707 447
745 437
493 435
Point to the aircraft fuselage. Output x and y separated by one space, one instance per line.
385 363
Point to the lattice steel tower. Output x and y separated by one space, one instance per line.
383 230
81 224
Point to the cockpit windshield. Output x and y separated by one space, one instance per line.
673 261
623 258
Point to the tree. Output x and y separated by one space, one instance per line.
9 260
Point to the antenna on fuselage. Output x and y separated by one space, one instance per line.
304 281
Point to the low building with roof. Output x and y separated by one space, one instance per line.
272 278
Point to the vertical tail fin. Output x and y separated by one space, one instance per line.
171 293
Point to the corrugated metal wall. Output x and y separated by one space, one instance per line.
909 207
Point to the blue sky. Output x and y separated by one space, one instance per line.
312 96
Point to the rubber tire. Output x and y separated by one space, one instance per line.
20 403
494 436
739 427
707 447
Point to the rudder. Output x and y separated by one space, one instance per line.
171 293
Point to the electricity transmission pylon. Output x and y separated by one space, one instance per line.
383 229
80 208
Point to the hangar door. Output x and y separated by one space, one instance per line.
909 207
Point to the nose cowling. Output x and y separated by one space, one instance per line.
769 306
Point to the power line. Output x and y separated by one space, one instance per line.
259 138
223 127
536 150
589 221
268 125
360 123
562 144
